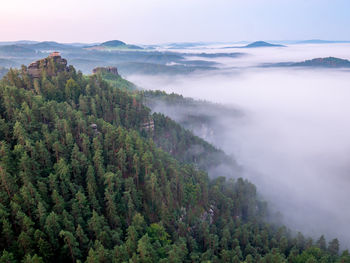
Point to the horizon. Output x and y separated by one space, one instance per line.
281 41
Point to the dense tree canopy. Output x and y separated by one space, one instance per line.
81 181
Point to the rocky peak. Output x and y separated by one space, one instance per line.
53 64
112 70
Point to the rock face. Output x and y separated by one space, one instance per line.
148 125
94 128
53 64
112 70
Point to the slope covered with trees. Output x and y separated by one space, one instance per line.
198 116
81 181
177 137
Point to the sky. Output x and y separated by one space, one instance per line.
163 21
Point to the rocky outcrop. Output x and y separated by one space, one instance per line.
34 70
148 124
53 64
112 70
94 129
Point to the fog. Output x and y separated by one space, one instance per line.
294 137
255 56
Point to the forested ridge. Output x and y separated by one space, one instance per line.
200 117
82 181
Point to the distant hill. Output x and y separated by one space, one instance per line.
320 41
185 45
262 44
330 62
114 44
50 46
215 55
77 44
16 50
256 44
20 42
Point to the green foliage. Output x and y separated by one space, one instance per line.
191 115
80 183
117 81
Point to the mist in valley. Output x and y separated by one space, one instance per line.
292 136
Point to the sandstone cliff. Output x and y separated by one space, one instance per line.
53 64
112 70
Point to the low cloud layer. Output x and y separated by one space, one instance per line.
294 137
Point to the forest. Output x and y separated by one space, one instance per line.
83 180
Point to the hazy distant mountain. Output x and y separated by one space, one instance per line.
256 44
262 44
114 44
82 44
216 55
50 45
329 62
320 41
20 42
185 45
46 45
16 50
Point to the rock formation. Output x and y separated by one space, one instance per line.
148 124
112 70
53 64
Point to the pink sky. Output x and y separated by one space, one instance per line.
154 21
